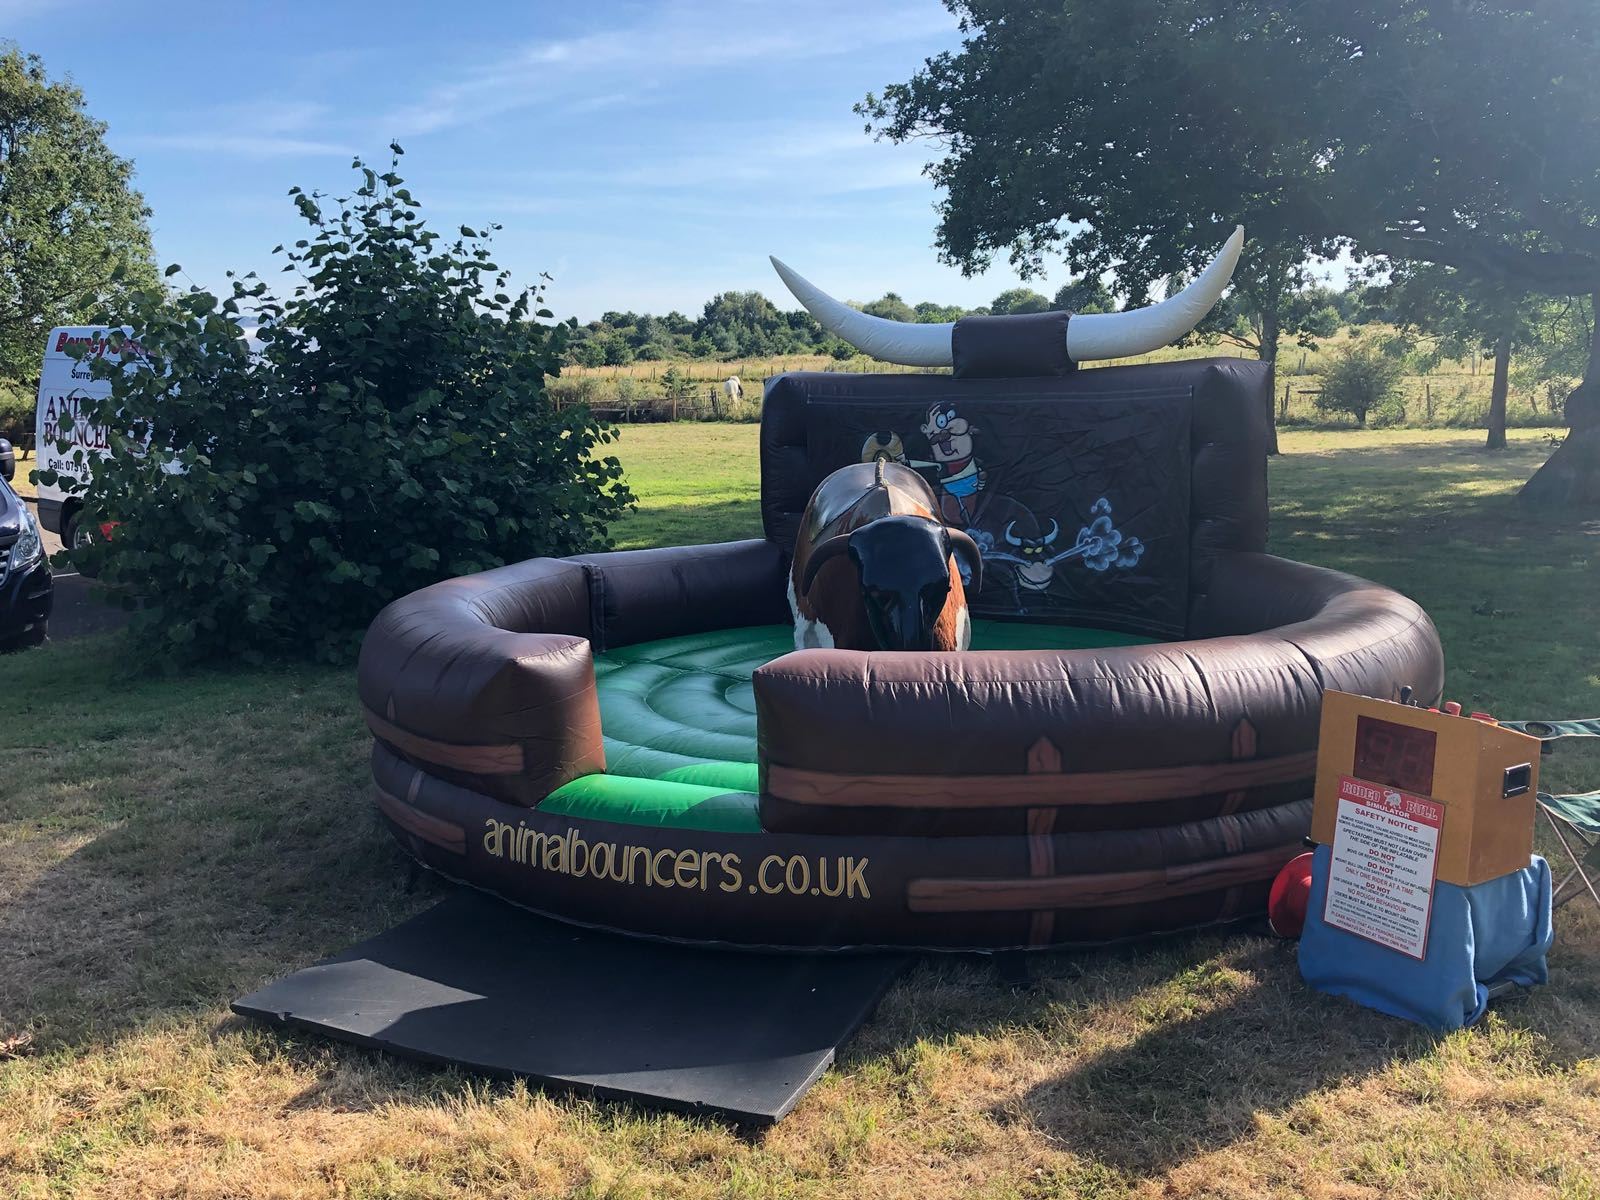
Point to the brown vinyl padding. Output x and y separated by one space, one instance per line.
488 680
1132 785
1170 707
1103 889
645 595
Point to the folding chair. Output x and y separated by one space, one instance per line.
1580 814
1576 814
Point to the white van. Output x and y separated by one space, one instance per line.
66 389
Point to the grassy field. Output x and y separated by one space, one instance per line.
166 845
1455 394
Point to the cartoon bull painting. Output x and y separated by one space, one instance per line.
876 569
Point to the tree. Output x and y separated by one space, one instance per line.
1306 312
1463 134
1088 294
890 307
1130 156
676 388
72 229
393 430
804 334
614 350
647 330
589 352
1456 314
741 323
930 313
1489 163
1019 300
1553 359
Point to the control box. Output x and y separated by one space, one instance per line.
1485 777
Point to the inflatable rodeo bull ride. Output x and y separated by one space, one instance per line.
631 740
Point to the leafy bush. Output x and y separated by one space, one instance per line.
677 388
630 394
570 390
392 430
16 411
1361 381
743 412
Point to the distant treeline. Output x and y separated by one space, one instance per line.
741 325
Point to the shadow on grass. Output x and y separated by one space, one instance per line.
1206 1067
166 843
1191 1082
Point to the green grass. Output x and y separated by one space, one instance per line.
167 844
695 483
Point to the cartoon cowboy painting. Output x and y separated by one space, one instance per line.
950 442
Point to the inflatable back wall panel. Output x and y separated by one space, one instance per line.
1098 497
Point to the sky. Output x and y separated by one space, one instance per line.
646 155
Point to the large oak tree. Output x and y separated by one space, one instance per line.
1129 136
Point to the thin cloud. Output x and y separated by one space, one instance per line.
832 159
242 145
275 117
671 41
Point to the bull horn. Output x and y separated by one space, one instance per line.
960 543
1089 336
1011 537
821 555
903 342
1055 532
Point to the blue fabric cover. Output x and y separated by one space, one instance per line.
1480 936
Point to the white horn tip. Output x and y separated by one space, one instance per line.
1141 330
909 344
792 279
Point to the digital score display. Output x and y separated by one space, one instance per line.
1397 756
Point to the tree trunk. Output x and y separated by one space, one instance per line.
1569 481
1268 353
1497 394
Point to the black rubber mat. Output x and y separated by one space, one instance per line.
491 988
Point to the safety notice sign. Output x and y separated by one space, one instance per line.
1385 853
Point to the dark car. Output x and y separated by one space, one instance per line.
25 586
8 461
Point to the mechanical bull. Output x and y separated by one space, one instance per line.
876 569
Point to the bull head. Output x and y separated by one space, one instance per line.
904 566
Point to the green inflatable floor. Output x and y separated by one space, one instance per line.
679 722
